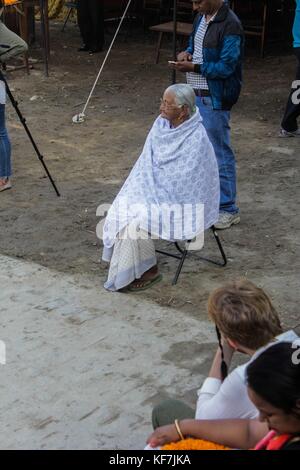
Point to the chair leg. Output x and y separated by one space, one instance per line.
26 62
182 260
158 47
184 252
216 235
263 33
66 20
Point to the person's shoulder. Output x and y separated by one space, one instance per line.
293 444
233 23
240 372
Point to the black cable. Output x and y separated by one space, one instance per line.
224 368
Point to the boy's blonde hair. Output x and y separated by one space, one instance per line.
244 313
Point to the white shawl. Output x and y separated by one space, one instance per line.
177 169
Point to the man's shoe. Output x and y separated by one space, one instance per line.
6 185
95 50
283 133
84 48
226 219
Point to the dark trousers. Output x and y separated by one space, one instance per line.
292 111
91 22
169 410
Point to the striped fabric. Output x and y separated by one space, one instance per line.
196 80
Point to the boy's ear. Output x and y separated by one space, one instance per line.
232 343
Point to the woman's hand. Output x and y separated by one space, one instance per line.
163 435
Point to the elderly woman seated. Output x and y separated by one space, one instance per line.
172 193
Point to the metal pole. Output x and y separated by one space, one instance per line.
174 38
44 5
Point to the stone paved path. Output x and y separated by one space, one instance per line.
84 366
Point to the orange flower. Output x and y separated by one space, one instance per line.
194 444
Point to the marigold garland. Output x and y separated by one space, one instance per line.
194 444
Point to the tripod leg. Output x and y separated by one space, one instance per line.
23 121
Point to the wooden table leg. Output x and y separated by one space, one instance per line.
158 47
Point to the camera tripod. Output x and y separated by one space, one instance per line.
23 121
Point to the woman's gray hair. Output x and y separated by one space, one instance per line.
184 96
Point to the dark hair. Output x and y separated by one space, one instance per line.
275 376
244 313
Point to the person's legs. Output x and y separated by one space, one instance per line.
84 23
97 24
169 410
292 111
11 44
5 150
217 127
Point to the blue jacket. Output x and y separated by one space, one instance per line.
223 47
296 27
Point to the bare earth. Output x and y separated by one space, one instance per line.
90 161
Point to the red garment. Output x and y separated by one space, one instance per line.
273 441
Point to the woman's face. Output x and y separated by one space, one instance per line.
277 419
168 107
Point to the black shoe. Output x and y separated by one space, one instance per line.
94 50
84 48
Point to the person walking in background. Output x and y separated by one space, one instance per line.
90 15
5 147
213 63
11 45
289 125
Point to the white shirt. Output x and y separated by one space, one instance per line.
229 399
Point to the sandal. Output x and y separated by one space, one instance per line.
145 284
6 185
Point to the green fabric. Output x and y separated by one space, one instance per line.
169 410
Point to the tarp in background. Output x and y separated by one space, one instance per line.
57 8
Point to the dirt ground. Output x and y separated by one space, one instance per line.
90 161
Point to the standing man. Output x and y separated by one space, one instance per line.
90 15
289 125
213 62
